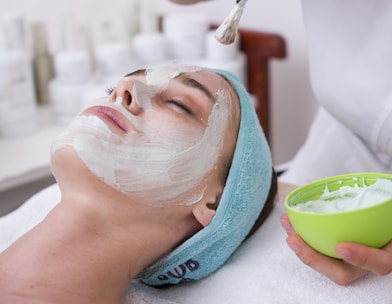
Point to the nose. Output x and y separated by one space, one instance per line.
125 90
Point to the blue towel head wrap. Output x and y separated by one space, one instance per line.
244 195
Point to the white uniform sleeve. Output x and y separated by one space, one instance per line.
331 149
350 53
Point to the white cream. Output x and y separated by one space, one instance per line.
349 198
161 162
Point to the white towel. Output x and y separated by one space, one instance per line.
263 270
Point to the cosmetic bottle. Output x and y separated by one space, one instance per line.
42 62
185 34
18 115
72 70
112 48
149 45
113 60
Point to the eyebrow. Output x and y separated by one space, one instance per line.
193 83
184 79
136 73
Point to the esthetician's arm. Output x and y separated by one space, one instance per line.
357 259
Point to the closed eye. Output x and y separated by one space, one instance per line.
181 105
109 90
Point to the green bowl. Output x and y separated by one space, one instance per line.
370 226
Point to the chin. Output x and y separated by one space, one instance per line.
67 166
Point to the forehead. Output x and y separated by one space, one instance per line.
161 76
212 80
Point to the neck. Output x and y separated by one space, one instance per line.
89 244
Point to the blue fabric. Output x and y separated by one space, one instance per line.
243 198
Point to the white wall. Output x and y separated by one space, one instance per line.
293 104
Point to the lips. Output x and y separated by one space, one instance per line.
109 115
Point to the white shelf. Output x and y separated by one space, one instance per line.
26 159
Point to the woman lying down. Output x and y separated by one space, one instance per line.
161 181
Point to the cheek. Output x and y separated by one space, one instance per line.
171 134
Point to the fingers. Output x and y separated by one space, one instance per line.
284 220
378 261
336 270
356 259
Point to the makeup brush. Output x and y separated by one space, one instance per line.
227 31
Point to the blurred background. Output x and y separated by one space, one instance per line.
56 56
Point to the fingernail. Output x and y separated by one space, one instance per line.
344 253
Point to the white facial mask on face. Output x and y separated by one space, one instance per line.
162 162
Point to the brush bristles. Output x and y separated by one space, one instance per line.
227 31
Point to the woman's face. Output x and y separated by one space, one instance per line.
158 135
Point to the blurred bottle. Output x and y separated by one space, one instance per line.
112 49
17 99
72 71
42 62
185 35
149 45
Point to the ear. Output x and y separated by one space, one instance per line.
204 212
